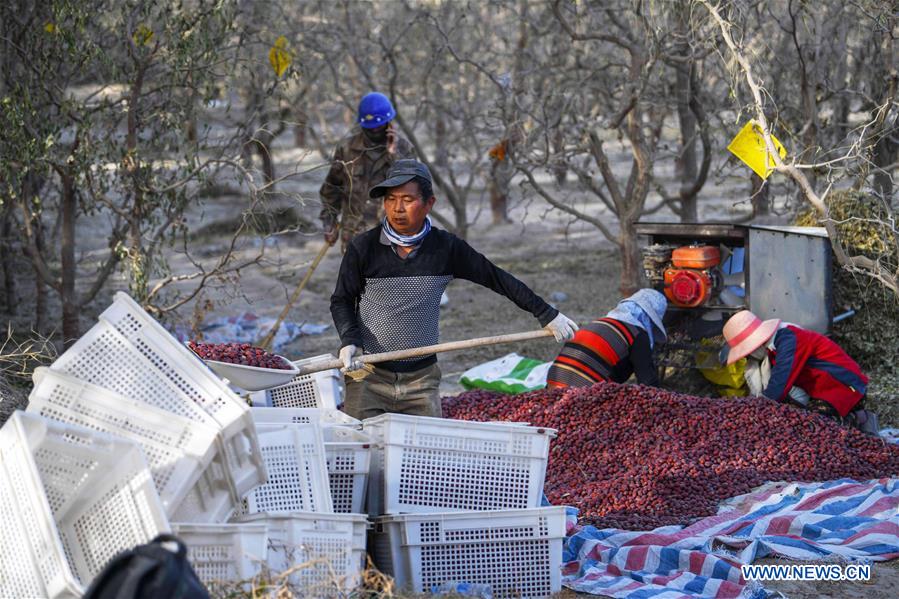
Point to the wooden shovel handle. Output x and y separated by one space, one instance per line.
416 352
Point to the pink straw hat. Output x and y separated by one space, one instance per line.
745 332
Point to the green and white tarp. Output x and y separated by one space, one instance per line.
510 374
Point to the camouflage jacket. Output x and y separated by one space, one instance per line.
356 167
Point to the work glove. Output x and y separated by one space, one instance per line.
347 355
330 234
562 328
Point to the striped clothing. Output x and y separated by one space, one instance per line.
604 350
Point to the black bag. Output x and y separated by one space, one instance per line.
149 571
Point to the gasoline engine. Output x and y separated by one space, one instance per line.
710 271
690 276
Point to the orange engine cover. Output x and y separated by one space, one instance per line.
688 288
696 256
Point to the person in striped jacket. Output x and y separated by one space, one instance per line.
786 362
614 347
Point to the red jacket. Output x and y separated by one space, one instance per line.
816 364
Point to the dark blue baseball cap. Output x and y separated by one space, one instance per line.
400 173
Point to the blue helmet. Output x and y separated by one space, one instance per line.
375 110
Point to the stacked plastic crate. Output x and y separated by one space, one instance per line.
167 398
288 526
71 499
459 502
126 431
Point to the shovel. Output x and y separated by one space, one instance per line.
416 352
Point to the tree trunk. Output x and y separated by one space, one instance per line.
631 259
500 177
884 90
502 170
263 148
884 156
461 228
761 201
441 145
40 286
7 257
560 167
246 152
40 304
810 128
70 326
686 164
299 127
840 77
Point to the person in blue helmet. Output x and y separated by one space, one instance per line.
360 160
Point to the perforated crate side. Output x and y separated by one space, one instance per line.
429 464
348 466
323 416
330 547
190 375
130 353
210 500
83 497
177 450
517 552
330 383
105 357
31 550
297 472
225 552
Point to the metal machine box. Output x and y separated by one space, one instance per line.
790 275
783 272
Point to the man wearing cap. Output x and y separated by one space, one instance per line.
787 362
388 292
359 161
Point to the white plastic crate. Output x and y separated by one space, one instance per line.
423 464
128 352
348 454
71 499
347 451
178 451
225 553
317 390
324 416
517 552
297 472
325 551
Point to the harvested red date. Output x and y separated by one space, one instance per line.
239 353
637 457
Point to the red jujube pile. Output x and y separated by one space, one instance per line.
239 353
636 457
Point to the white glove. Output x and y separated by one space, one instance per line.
562 328
347 353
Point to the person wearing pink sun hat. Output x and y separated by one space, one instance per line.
786 361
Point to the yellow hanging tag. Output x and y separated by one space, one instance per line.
143 35
749 146
279 56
